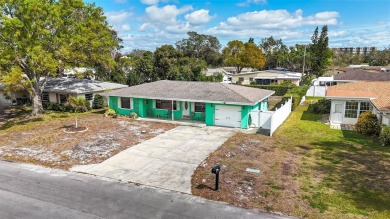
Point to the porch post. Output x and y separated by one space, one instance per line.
172 111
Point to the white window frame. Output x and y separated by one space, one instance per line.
120 103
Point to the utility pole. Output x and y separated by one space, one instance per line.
304 60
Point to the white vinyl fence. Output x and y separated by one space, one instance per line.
316 91
273 119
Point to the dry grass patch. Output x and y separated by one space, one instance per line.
43 140
274 189
307 170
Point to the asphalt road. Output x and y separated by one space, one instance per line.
28 191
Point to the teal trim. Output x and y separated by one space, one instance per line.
144 107
114 104
210 111
245 115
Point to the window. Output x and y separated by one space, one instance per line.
89 96
166 104
63 98
45 97
250 79
351 109
125 103
200 107
364 106
241 79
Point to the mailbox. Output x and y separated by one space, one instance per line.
216 170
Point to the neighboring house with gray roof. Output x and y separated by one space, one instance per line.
58 90
213 103
13 97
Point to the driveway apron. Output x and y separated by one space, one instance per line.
166 161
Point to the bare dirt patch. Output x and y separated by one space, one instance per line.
273 189
45 142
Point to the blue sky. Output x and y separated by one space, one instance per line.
147 24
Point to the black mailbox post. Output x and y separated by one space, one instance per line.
216 170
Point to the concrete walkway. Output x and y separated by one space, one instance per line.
166 161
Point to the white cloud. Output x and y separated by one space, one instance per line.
198 17
118 16
150 2
125 27
166 14
248 2
279 19
119 19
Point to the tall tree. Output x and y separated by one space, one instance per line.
275 51
240 55
41 36
320 54
165 60
200 46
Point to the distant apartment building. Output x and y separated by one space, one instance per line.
356 50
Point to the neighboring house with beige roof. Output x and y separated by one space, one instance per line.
211 103
351 99
267 77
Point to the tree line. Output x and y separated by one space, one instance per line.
40 38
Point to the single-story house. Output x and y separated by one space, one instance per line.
227 76
216 104
267 77
233 70
351 99
360 75
57 90
9 98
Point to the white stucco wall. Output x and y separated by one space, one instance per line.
333 114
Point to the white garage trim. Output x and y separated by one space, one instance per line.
228 116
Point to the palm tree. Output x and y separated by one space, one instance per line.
78 104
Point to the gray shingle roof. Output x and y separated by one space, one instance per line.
361 75
74 85
194 91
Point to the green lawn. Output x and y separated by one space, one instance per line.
342 174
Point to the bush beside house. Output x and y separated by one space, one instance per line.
385 136
63 108
98 102
322 106
368 124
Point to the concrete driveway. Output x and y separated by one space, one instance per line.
166 161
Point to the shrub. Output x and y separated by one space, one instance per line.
296 93
133 115
110 112
98 102
368 124
385 136
322 106
62 107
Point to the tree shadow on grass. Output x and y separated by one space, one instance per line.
13 123
357 167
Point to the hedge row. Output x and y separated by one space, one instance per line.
61 107
280 90
296 93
